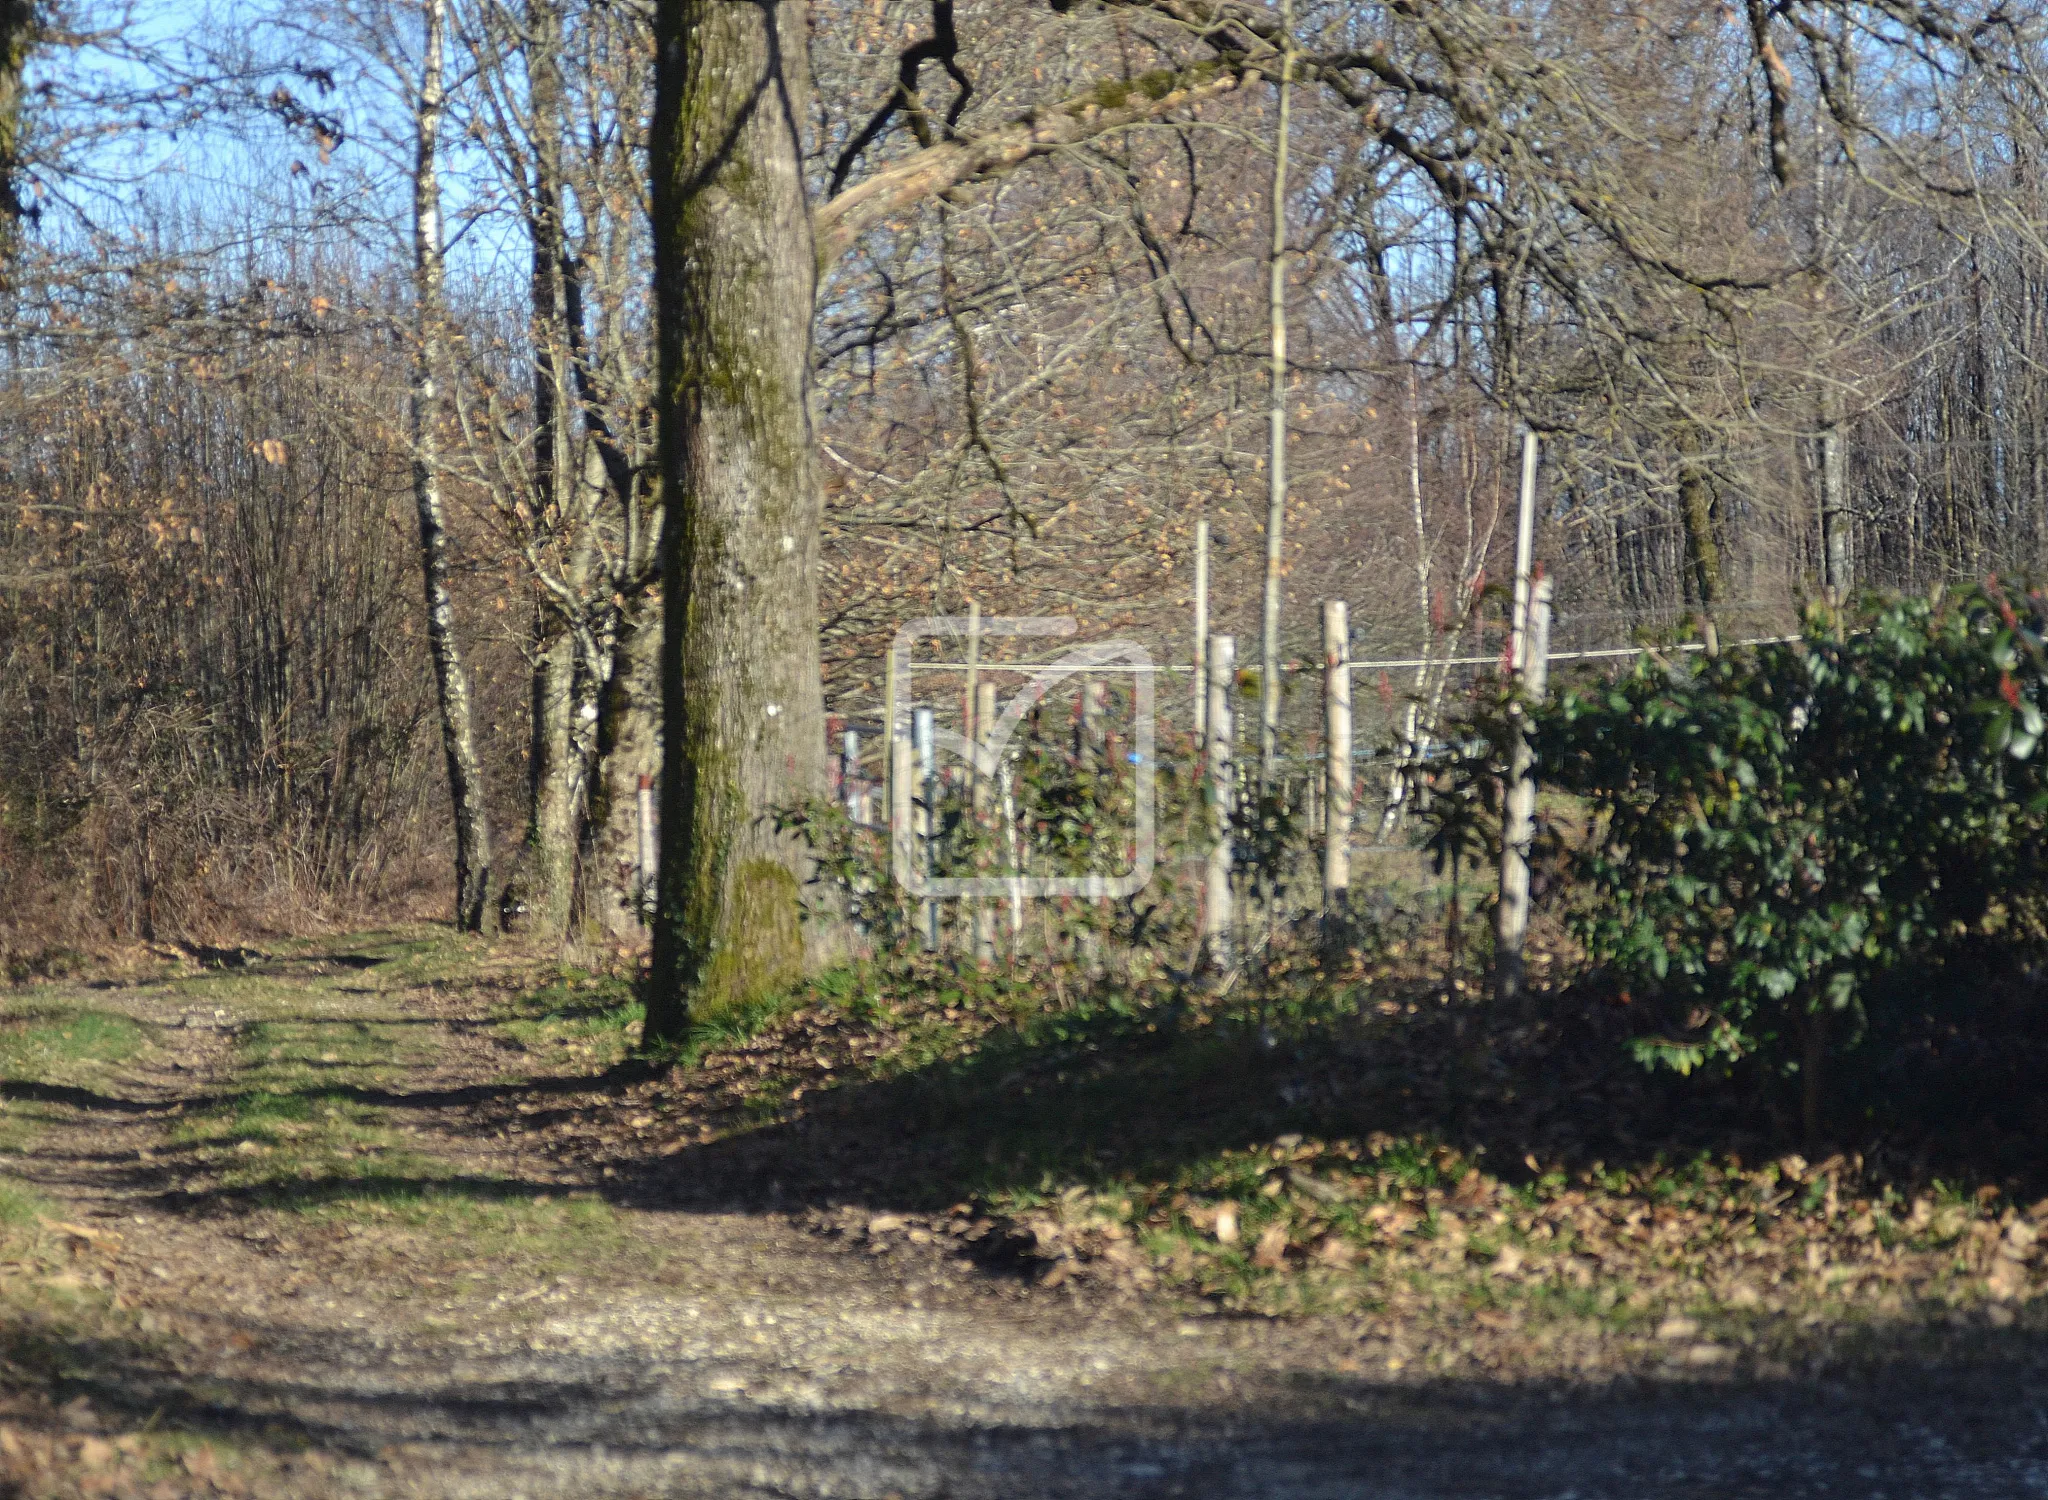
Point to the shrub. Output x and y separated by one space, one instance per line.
1771 829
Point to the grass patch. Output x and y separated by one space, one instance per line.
20 1208
515 1226
296 1118
304 1130
576 1021
48 1038
45 1040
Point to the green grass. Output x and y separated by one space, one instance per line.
303 1130
47 1037
47 1040
576 1022
20 1208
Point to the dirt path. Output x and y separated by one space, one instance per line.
374 1286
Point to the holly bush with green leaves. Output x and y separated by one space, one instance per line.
1770 829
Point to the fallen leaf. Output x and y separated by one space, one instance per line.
2020 1239
98 1238
1473 1189
1315 1187
1677 1326
2007 1281
1226 1223
1394 1218
1272 1248
1333 1250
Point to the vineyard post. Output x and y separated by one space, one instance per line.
1336 770
969 698
1088 735
1222 799
984 777
892 728
849 773
1518 823
926 818
902 836
1525 547
1201 631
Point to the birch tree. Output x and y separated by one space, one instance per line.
458 732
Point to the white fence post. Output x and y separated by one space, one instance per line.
1201 632
1216 907
1525 544
1336 765
926 821
849 775
1518 827
984 772
902 827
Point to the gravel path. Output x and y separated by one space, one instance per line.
737 1354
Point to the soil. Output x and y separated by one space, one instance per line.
716 1343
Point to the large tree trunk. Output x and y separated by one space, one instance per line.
558 767
458 738
553 781
735 277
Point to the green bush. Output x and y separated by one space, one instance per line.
1773 828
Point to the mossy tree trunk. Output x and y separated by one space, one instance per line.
735 277
736 256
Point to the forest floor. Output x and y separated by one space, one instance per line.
384 1216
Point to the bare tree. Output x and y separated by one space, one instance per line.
458 733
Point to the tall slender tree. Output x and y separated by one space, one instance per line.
458 734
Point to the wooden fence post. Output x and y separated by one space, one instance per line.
984 779
972 697
892 731
1216 905
902 828
1201 632
1336 771
1525 542
926 819
1088 735
1518 826
849 774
